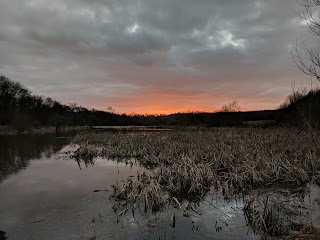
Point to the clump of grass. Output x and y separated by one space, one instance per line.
265 217
274 213
143 189
183 180
186 179
304 231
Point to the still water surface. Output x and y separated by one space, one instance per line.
44 195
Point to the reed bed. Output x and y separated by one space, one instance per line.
271 212
187 163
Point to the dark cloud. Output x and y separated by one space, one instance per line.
153 54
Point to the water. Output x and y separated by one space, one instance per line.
46 195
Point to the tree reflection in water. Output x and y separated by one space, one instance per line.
17 150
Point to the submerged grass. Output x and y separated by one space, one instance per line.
185 164
271 212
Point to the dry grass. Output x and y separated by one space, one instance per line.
145 189
187 163
270 212
266 216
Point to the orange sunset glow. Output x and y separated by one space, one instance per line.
144 59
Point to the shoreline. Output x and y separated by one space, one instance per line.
7 130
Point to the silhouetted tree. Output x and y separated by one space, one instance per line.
231 107
308 58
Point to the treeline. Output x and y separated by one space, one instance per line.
302 109
20 109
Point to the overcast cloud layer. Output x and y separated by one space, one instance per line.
153 56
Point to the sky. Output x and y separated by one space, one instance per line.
154 56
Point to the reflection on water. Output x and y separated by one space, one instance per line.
46 196
217 217
17 150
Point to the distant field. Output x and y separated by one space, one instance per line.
259 123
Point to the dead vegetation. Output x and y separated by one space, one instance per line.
184 165
194 160
281 212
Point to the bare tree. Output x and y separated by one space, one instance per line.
308 58
110 110
231 107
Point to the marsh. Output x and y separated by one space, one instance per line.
226 182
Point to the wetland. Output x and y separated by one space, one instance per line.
193 183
